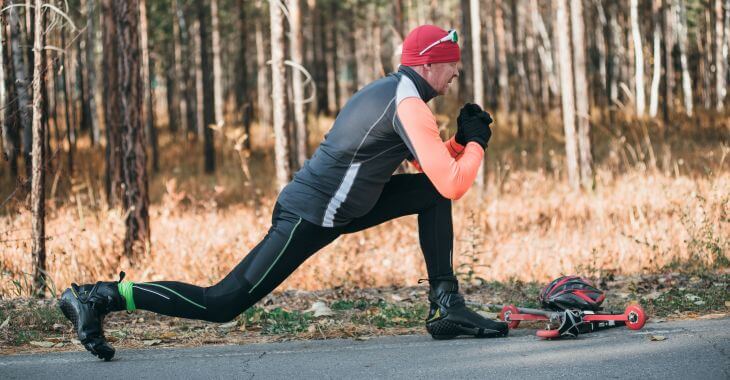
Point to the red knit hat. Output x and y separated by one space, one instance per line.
420 46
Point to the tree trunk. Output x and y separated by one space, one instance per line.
654 97
217 67
682 32
198 70
129 97
720 81
639 96
242 90
147 109
10 136
262 81
333 88
112 101
667 22
68 110
278 94
206 92
706 51
581 94
126 174
566 91
466 78
21 87
295 20
478 80
502 69
38 185
545 51
90 64
180 90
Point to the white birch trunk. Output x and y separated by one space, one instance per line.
3 94
476 51
720 84
639 96
682 33
581 94
281 150
198 69
657 55
217 68
566 91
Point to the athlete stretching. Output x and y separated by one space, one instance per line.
347 186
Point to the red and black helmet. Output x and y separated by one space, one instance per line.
571 292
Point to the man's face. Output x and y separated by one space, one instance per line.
440 75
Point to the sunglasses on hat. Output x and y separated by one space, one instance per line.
451 36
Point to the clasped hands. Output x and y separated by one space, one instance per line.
473 125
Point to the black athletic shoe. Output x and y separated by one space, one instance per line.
449 317
85 306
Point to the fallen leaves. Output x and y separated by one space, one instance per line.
657 338
320 309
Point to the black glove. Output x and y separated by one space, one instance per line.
473 125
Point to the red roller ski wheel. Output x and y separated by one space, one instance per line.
635 317
506 313
548 334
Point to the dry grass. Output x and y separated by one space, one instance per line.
527 225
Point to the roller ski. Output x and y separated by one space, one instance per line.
572 306
449 317
86 306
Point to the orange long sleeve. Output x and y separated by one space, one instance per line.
452 172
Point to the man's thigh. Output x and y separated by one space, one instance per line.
404 194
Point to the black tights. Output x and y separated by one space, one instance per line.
291 240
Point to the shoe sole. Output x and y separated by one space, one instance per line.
444 329
98 349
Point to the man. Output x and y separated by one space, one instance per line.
347 186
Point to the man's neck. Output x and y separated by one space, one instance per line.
425 91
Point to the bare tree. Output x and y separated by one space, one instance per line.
124 121
90 65
147 110
206 94
9 131
278 94
262 81
38 185
502 69
581 94
295 20
566 82
639 96
476 51
217 67
180 90
656 11
720 81
21 86
682 33
68 104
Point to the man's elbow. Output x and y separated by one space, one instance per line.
451 192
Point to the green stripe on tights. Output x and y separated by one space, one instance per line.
125 289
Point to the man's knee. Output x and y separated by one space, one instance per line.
226 300
430 190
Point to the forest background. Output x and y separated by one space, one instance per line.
153 136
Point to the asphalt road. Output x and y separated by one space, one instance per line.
697 349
